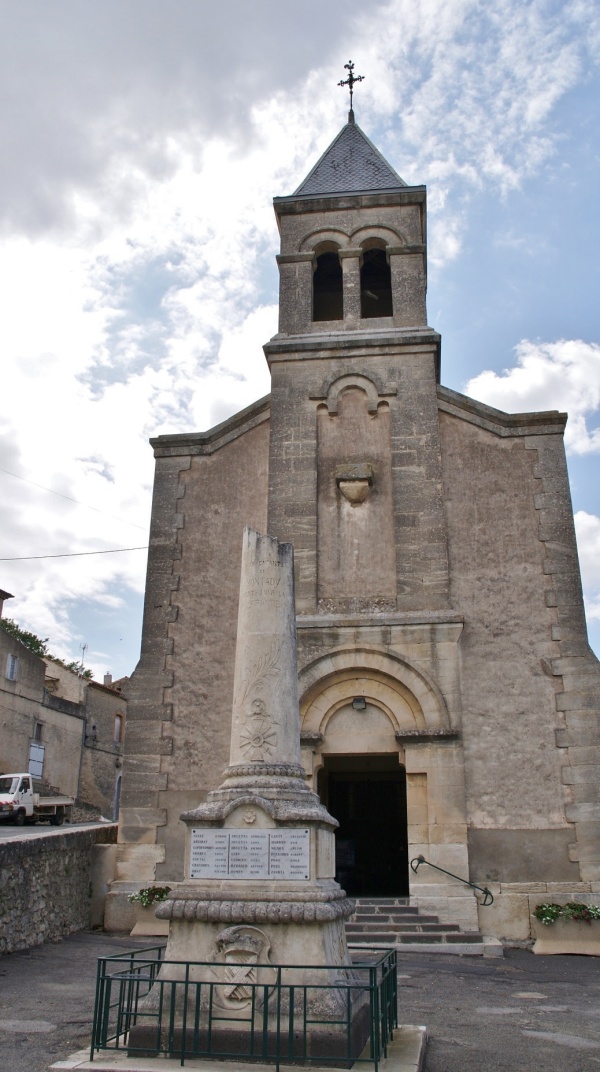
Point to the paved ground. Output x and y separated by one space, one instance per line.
517 1014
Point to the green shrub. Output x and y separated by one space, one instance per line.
150 895
548 913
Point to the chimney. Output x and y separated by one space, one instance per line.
4 595
108 680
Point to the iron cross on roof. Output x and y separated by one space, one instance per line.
349 81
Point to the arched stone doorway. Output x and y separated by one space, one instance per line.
379 747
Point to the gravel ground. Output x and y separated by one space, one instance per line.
516 1014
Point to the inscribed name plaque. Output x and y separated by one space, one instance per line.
250 854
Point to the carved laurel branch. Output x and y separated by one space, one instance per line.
256 911
260 671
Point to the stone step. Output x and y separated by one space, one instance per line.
465 936
382 920
461 937
439 938
391 917
402 901
378 910
381 938
416 924
488 947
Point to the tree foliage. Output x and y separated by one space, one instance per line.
30 640
40 647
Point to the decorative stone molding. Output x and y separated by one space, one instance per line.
545 422
399 251
281 810
319 237
256 911
373 385
387 673
389 235
294 258
310 737
426 736
254 770
355 481
187 444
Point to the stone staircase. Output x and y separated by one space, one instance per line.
395 921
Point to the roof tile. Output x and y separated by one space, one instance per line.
351 164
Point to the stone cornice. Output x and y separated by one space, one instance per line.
295 204
320 343
342 621
545 422
426 736
263 911
279 801
188 443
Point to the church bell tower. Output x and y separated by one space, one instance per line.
355 476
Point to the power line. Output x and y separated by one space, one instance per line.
70 499
75 554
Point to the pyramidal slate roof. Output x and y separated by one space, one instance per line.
350 165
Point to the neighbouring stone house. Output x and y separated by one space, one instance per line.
65 730
449 698
102 757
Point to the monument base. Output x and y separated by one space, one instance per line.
333 1044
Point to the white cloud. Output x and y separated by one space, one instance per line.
142 151
587 527
563 375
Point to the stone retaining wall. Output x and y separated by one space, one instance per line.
510 916
46 885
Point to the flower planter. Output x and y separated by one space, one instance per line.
147 923
566 936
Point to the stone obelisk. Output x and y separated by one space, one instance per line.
260 859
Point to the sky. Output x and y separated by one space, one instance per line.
143 142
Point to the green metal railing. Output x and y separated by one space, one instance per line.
488 897
147 1006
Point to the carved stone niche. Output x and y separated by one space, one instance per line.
354 481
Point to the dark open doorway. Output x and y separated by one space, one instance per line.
367 796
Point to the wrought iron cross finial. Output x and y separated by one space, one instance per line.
350 80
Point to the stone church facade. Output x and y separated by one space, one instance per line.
450 703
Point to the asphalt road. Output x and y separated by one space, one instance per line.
521 1013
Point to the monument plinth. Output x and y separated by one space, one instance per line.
260 859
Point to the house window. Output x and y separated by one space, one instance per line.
37 731
328 288
118 730
12 666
